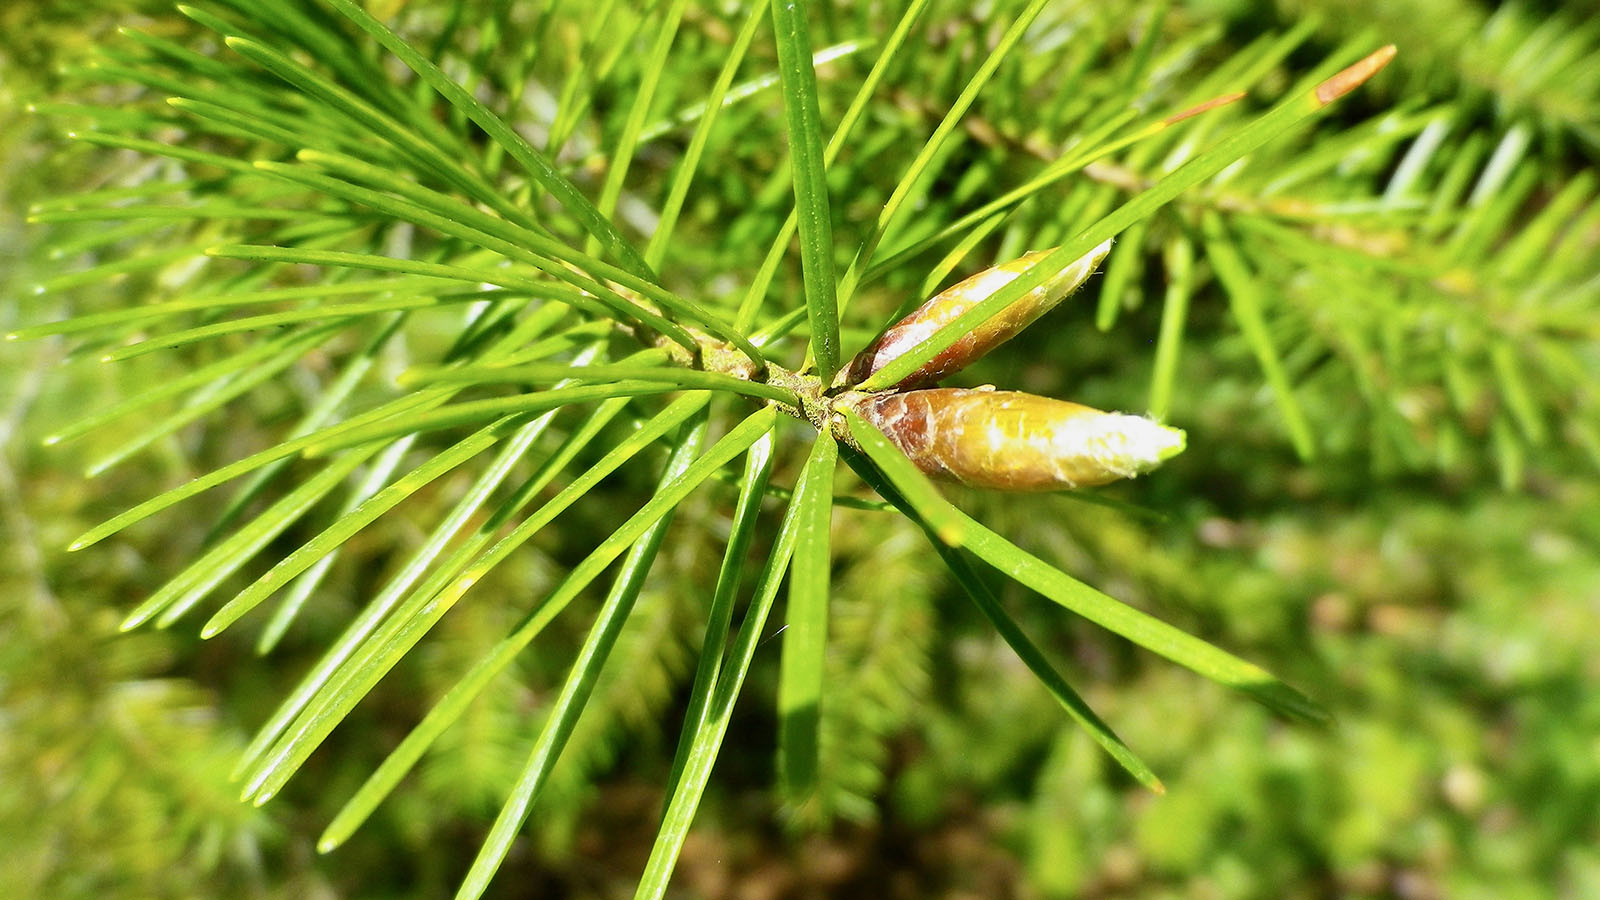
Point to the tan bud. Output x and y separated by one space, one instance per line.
1012 441
953 301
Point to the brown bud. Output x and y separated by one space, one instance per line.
1012 441
953 301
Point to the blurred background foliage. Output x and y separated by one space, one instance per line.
1427 564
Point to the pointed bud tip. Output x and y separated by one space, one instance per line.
1177 442
1149 443
1119 445
1078 269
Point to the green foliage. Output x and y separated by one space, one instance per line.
436 267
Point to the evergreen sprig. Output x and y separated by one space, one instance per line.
306 202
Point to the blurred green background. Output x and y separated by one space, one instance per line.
1449 622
